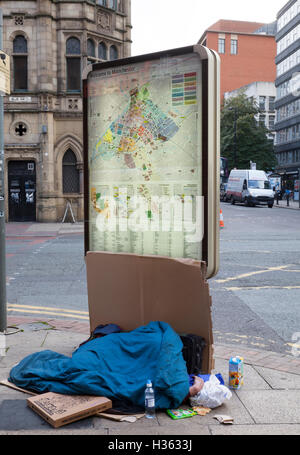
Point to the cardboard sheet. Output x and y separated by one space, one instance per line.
13 386
131 290
59 410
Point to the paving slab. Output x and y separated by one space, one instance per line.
63 344
272 406
279 380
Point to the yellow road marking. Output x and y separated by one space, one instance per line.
293 345
246 275
63 310
51 313
292 270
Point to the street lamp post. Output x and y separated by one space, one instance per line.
3 315
235 139
235 163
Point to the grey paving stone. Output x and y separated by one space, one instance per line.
279 380
272 406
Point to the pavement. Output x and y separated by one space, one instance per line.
284 205
267 404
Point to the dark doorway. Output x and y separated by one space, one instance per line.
22 190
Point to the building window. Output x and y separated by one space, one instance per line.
91 48
271 122
111 4
288 15
262 103
221 46
19 19
73 60
234 47
20 63
262 120
70 173
20 129
91 51
102 51
120 6
272 103
113 53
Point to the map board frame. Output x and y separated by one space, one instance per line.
210 142
4 73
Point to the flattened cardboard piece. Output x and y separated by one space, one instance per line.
13 386
59 410
131 290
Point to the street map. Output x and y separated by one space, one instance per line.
144 154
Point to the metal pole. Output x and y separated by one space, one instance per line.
235 138
3 315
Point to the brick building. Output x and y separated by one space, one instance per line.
247 51
49 43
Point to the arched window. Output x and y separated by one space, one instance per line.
102 51
113 53
73 46
91 50
73 62
20 63
70 173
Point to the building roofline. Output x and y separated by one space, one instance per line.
233 33
218 29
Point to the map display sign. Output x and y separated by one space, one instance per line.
144 155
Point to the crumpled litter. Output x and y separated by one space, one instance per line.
212 394
227 420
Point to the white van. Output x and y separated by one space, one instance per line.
249 187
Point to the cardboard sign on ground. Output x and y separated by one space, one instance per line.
59 410
131 290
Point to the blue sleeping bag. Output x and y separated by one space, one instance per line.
116 366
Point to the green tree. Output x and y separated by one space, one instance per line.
243 138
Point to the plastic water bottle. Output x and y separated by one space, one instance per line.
149 401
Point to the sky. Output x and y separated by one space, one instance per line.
166 24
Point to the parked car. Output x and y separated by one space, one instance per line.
250 187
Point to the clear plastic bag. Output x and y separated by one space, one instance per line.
212 394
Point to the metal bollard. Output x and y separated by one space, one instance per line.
288 200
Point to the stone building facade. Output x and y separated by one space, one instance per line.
49 43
